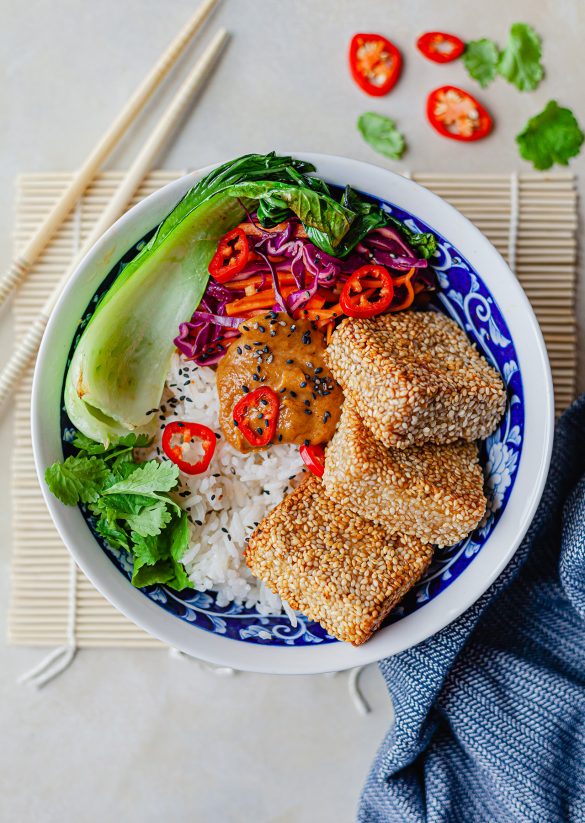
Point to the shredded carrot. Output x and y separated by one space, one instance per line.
329 331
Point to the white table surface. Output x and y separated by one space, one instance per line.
133 735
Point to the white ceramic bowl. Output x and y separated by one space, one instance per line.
530 468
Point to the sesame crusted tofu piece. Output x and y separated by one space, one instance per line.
432 492
333 565
415 378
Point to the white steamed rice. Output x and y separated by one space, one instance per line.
226 502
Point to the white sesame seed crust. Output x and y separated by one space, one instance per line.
432 492
415 378
331 564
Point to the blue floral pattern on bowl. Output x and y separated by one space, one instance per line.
464 297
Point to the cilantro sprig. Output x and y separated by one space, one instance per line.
553 136
131 505
518 62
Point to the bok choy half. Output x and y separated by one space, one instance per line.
119 367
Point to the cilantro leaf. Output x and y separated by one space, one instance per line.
113 533
152 574
77 479
553 136
126 442
520 62
425 243
158 560
381 134
150 521
148 478
481 60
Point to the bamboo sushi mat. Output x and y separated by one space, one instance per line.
530 218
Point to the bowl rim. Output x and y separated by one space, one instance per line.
442 609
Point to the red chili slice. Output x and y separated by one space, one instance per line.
440 47
233 251
314 459
177 434
356 300
256 415
456 114
375 63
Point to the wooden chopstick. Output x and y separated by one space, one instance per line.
27 347
23 262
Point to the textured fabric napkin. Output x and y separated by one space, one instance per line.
490 712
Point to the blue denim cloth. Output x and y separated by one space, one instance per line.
490 712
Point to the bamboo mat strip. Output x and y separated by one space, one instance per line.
545 262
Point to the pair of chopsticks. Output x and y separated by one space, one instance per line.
27 347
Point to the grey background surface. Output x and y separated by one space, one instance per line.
135 735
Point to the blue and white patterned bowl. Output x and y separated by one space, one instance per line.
481 294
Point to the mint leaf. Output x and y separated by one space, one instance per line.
520 62
77 479
148 478
553 136
481 60
150 521
381 134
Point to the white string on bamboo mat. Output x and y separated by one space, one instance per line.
61 658
514 217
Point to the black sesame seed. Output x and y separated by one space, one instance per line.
307 442
293 327
261 328
236 423
292 393
245 389
303 384
218 436
246 328
266 350
307 402
318 370
280 438
199 522
255 377
224 530
264 401
289 362
239 349
306 338
259 430
281 391
257 343
308 411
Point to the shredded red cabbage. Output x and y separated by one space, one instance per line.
311 268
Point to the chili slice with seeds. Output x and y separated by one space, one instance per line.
375 63
440 47
177 434
257 430
233 252
314 458
356 301
456 114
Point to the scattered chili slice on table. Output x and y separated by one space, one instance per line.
375 63
359 300
456 114
177 435
258 428
314 459
440 47
233 251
